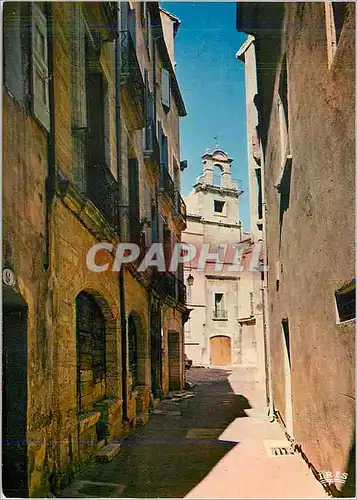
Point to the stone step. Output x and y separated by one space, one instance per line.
108 452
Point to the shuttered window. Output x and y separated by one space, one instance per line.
165 87
16 52
40 101
79 111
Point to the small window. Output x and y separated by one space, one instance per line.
346 302
165 87
219 206
339 15
40 103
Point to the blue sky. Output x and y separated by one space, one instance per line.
212 84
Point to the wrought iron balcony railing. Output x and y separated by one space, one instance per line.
181 291
102 190
152 150
220 314
131 76
166 183
180 205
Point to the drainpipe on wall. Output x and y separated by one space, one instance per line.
121 226
50 183
266 332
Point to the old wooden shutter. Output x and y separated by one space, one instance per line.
16 58
40 100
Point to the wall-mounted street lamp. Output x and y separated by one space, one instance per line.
190 279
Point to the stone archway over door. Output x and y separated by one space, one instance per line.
14 410
220 351
174 361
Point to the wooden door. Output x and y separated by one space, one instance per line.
14 401
220 351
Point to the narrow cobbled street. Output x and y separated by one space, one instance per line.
207 442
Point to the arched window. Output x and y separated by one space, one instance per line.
91 365
217 175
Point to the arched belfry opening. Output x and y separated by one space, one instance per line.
217 175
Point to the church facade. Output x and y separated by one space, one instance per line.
225 325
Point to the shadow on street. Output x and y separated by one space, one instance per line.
180 444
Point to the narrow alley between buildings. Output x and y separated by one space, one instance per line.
211 441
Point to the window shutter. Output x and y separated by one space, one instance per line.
165 87
16 57
40 100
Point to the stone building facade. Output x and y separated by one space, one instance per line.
301 97
91 109
224 328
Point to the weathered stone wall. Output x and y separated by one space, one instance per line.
25 169
317 244
60 437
